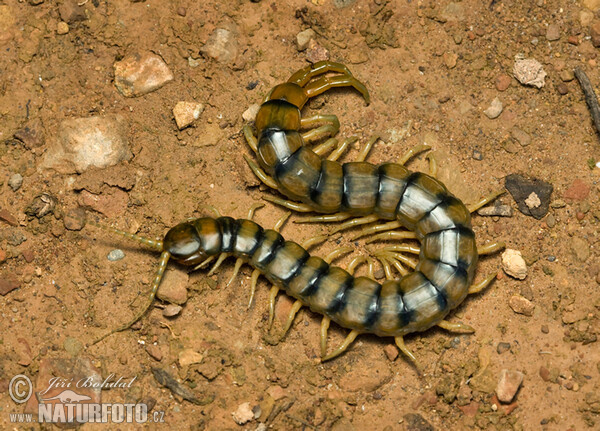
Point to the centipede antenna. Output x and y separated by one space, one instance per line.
153 243
162 266
253 281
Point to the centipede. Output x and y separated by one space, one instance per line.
419 299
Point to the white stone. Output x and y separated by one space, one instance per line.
529 71
243 414
514 264
494 110
303 38
533 200
250 113
186 113
221 45
139 74
85 142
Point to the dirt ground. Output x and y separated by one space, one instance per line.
432 69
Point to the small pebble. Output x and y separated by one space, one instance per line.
115 255
567 75
529 72
573 40
243 414
303 38
514 264
544 373
545 329
503 82
552 32
141 73
502 347
186 113
62 28
551 220
172 310
391 352
15 181
181 11
521 305
477 155
250 113
494 110
154 352
508 385
562 88
551 258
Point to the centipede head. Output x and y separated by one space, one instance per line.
184 245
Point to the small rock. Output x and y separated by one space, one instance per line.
368 380
74 220
573 40
508 385
41 205
15 182
243 414
521 305
502 347
3 255
545 329
521 189
62 28
8 217
186 113
578 191
494 110
514 264
116 254
8 283
595 33
529 71
181 11
303 38
172 310
477 155
155 352
503 82
189 357
221 46
450 59
580 248
86 142
552 32
276 392
32 135
173 288
567 75
416 422
562 88
545 373
73 346
139 74
533 201
250 113
112 204
496 210
28 255
391 352
71 11
316 52
520 136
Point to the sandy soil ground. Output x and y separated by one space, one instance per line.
432 68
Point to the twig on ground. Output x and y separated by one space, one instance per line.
590 96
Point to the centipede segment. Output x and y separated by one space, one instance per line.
430 286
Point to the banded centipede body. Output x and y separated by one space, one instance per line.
448 254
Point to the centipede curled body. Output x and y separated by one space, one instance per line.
448 253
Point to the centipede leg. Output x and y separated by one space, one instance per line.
433 166
417 149
164 259
288 324
272 296
279 224
238 264
319 132
337 253
335 154
310 242
332 124
327 218
253 209
253 282
325 83
218 263
342 347
396 236
302 76
260 174
250 138
291 205
326 146
367 149
478 287
460 328
356 222
357 261
400 343
324 328
211 208
490 248
485 200
378 228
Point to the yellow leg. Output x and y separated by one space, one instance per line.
357 261
253 209
281 221
325 83
478 287
386 267
288 324
162 266
342 347
218 263
356 222
260 174
400 343
319 132
310 242
324 327
413 152
484 201
401 248
204 263
460 328
366 149
238 264
315 120
378 228
253 281
211 208
490 248
337 253
325 147
294 206
336 154
302 76
272 296
327 218
433 166
250 138
395 236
